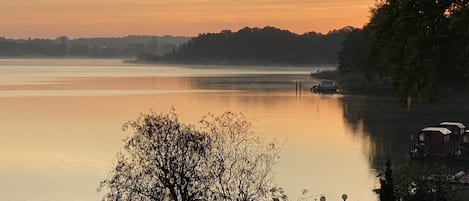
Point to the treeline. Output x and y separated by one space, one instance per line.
119 47
419 48
268 45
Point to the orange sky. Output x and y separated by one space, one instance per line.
92 18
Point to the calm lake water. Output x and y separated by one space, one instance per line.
61 120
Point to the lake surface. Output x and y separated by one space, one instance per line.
61 123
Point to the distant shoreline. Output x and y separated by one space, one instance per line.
60 57
226 63
213 63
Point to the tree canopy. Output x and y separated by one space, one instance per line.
129 46
424 43
164 159
268 45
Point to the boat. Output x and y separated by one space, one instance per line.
463 150
450 139
457 131
325 86
430 141
457 128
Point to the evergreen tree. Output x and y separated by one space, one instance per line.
386 192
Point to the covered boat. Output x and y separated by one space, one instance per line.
456 128
326 86
431 141
463 151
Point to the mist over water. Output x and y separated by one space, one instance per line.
61 120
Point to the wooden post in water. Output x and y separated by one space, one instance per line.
299 88
296 88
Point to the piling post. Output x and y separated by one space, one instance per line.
296 88
299 89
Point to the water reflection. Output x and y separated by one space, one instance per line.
389 126
59 147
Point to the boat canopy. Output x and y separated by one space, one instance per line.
443 131
327 82
458 124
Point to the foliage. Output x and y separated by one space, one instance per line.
241 163
354 53
165 159
424 182
268 45
386 192
423 42
277 194
129 46
417 182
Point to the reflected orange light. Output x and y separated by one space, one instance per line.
75 138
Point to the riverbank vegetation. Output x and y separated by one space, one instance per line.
419 48
257 46
247 46
419 182
118 47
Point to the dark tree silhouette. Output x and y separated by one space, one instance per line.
268 45
168 160
354 53
124 47
386 191
240 163
163 159
425 44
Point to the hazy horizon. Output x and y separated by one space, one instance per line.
96 37
169 35
187 18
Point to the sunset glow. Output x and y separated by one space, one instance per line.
90 18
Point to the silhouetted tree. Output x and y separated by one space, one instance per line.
162 159
79 50
268 45
386 191
152 47
354 53
423 42
241 164
129 46
277 194
134 49
168 160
